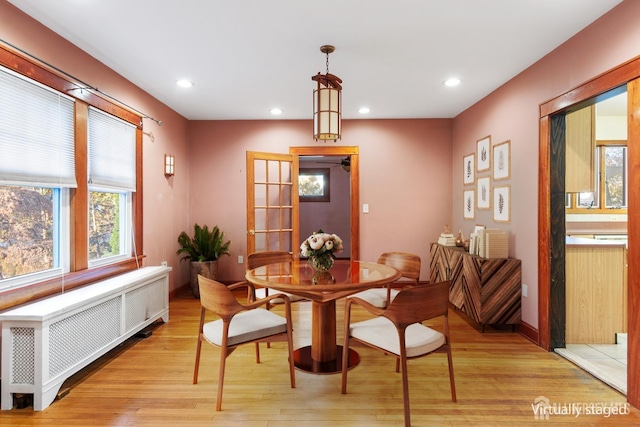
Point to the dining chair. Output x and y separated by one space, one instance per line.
407 264
263 259
239 324
398 331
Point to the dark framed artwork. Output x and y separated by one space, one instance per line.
314 185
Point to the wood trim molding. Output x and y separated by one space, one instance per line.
544 221
529 332
606 81
14 297
633 252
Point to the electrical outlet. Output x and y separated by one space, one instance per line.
524 290
365 208
240 259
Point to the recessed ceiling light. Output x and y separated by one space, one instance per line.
454 81
363 110
184 83
276 111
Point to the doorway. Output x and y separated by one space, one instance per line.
272 198
324 193
596 229
552 202
354 177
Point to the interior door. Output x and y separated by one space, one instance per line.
272 201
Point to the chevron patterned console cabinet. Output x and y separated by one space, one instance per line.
488 290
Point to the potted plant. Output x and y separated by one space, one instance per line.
203 251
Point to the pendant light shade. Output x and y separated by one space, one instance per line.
327 103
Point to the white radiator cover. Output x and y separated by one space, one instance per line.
47 341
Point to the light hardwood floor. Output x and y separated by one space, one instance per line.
147 382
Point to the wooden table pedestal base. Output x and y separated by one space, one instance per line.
303 361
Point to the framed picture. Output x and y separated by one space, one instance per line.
502 203
483 192
468 168
502 161
483 153
469 206
313 185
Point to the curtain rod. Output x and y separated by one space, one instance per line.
77 80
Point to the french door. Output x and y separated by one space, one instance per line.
272 202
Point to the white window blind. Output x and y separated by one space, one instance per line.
36 134
112 152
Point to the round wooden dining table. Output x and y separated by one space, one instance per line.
345 278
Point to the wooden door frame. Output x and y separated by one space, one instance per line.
355 184
551 241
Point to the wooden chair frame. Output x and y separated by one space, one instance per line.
406 263
263 258
219 299
412 305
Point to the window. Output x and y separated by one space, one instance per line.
112 178
313 185
107 238
610 180
37 167
69 196
614 166
30 234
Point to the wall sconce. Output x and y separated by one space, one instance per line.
327 103
169 165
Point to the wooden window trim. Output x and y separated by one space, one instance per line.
80 274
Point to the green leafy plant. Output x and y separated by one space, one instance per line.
205 245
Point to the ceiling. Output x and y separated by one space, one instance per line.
248 56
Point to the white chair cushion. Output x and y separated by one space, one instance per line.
261 293
246 326
377 296
382 333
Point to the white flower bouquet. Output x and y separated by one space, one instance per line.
321 249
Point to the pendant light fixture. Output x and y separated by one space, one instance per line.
327 103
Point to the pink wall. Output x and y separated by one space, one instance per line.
511 112
165 201
400 160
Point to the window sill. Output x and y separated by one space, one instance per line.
27 293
